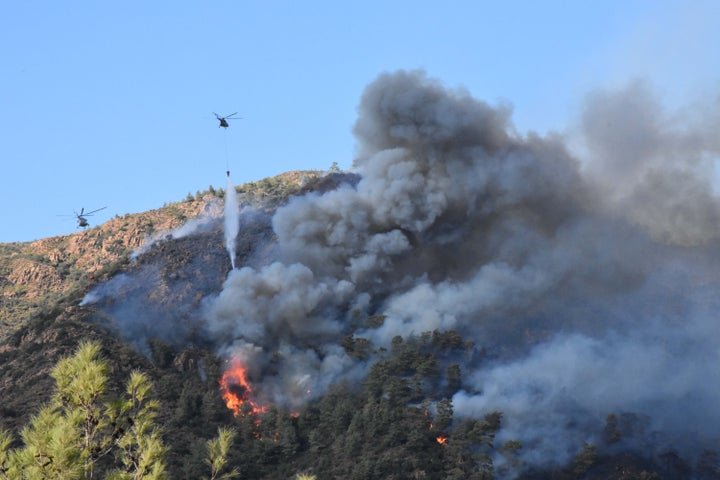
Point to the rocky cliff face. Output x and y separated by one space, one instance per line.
34 275
39 272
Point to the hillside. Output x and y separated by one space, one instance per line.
48 278
43 283
467 304
35 275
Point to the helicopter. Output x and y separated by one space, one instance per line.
81 220
223 120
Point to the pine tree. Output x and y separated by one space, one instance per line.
454 379
81 382
79 426
585 459
217 449
140 449
444 415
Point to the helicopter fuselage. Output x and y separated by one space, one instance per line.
224 120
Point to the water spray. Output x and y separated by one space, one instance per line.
232 219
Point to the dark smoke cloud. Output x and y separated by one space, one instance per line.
443 181
591 277
655 168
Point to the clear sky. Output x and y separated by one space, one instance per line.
110 103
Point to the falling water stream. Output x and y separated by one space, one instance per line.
232 219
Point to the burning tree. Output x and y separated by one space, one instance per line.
236 390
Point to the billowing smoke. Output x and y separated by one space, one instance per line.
656 169
232 219
591 279
588 279
201 224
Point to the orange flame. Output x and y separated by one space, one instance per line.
441 439
236 391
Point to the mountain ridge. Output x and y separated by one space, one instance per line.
40 271
54 276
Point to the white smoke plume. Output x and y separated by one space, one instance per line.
232 219
203 223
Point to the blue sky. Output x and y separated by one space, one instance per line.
110 103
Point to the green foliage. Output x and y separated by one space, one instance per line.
399 423
375 321
79 427
189 406
357 347
162 353
449 339
612 431
444 415
380 429
140 449
81 379
274 191
305 476
385 431
510 451
175 212
585 459
454 379
217 449
53 447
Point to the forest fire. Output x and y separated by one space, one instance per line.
441 439
236 390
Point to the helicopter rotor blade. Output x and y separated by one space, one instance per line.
90 213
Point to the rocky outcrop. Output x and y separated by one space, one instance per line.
33 278
35 274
